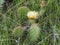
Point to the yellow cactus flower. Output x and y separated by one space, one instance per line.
32 15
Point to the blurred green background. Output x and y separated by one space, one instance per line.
13 14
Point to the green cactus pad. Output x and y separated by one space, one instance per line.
34 33
22 14
18 31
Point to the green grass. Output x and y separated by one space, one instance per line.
48 22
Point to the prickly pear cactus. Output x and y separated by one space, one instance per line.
18 31
34 32
22 12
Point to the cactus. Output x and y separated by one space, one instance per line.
34 33
18 31
34 30
22 12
